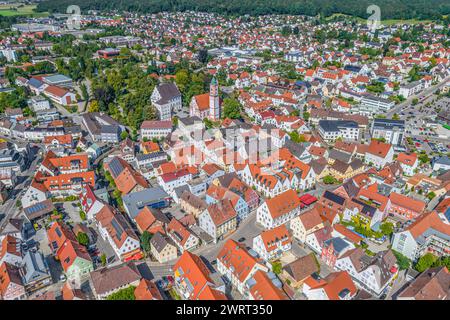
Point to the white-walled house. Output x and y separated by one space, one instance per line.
278 210
272 244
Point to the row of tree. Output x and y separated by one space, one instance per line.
391 9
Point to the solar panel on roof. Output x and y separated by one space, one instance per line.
118 228
334 197
116 167
35 208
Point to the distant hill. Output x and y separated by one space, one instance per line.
390 9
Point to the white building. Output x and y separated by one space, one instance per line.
156 129
278 210
166 97
330 130
272 244
379 154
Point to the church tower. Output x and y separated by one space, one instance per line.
214 107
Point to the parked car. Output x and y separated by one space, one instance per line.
241 239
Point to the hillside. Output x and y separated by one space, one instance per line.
390 9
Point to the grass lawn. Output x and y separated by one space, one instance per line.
13 9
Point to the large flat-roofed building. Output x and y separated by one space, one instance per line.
392 131
371 105
58 80
330 130
134 202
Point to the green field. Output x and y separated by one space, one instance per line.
13 9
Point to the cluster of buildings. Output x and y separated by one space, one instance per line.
309 178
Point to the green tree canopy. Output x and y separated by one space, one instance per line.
82 238
231 108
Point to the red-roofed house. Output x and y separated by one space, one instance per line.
379 154
336 286
60 95
262 287
183 237
278 210
272 244
114 227
405 207
429 233
238 265
408 162
193 279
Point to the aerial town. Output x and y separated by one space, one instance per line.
195 156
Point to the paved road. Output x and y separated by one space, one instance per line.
9 208
408 102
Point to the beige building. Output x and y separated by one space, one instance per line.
162 248
192 204
305 224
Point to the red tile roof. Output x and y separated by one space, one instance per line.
283 203
333 284
264 289
235 256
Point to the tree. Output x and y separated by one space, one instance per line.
145 240
306 116
431 195
296 137
395 117
277 267
182 80
329 179
442 261
387 228
423 158
83 238
123 294
103 259
425 262
124 135
231 108
402 261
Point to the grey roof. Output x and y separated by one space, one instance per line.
334 197
116 167
339 244
107 279
142 157
335 125
56 78
160 241
38 210
35 267
351 189
13 226
339 155
388 124
443 160
180 190
167 91
188 121
134 202
110 129
35 83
